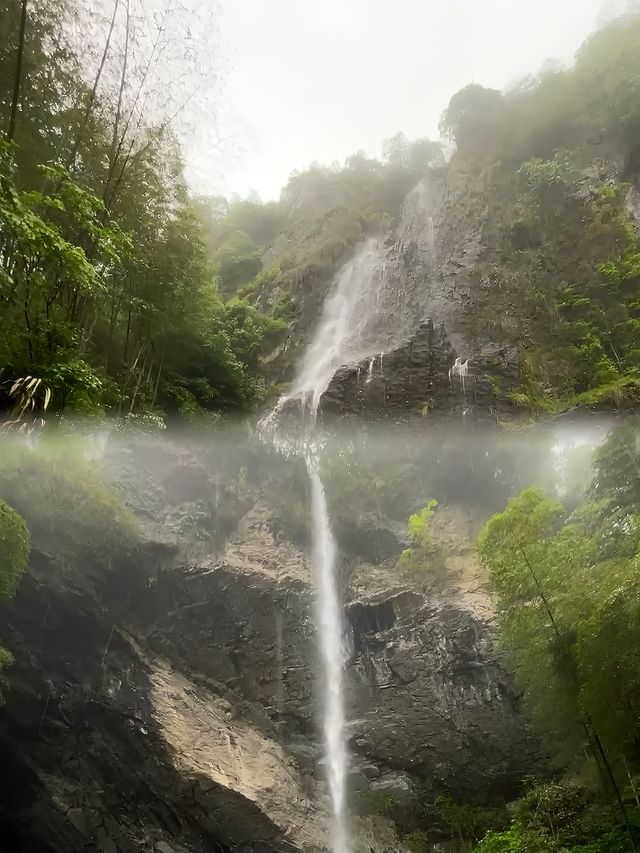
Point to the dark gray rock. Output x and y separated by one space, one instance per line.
419 379
89 759
423 320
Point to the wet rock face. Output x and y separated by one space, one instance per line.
434 669
420 378
106 747
177 714
425 321
183 713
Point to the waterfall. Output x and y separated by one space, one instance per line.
329 622
460 370
348 332
343 334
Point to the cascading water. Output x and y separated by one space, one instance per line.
460 371
342 335
364 316
346 333
368 313
329 622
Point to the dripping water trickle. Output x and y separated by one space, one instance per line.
460 371
372 361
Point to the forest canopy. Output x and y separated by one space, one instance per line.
125 292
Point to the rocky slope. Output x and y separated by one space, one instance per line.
422 321
468 285
170 706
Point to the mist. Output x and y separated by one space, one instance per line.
339 79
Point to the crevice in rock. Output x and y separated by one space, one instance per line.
369 619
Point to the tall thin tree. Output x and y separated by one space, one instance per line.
17 81
92 95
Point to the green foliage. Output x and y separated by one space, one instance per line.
238 261
560 818
114 281
568 593
418 524
64 497
466 821
471 117
617 468
14 554
57 295
593 104
417 841
108 283
280 254
560 275
14 549
30 398
424 556
576 306
378 803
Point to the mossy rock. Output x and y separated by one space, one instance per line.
14 549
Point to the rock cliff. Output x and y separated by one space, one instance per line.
423 321
169 705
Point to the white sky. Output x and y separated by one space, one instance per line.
316 81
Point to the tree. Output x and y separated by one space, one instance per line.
617 469
568 616
239 260
425 555
526 561
473 118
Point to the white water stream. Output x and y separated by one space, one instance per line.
343 333
330 630
347 333
343 336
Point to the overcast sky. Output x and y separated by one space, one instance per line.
316 81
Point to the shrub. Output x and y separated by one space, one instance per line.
14 554
424 556
14 549
67 504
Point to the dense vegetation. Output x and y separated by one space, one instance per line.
14 553
566 580
561 560
56 502
123 292
118 289
107 293
543 169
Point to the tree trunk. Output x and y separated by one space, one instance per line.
143 80
157 385
17 81
123 83
631 782
614 785
94 90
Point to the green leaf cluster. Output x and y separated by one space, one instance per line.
567 585
14 554
424 557
14 549
561 818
